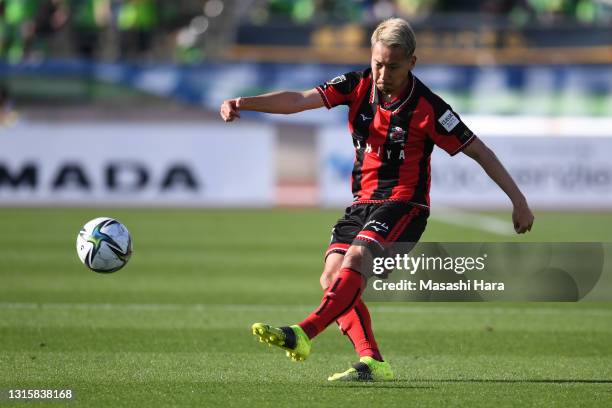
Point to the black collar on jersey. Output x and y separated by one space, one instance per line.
395 106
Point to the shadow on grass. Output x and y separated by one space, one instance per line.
411 383
378 386
534 381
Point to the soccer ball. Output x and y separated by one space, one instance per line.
104 245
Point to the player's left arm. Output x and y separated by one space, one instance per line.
522 216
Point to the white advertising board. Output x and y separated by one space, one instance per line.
142 164
564 171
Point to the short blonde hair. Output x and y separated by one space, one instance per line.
395 32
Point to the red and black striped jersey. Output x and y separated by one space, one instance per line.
393 143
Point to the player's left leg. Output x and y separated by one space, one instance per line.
391 227
344 295
356 324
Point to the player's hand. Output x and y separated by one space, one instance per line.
230 109
522 217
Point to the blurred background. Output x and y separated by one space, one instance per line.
115 102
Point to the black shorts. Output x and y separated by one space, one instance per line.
377 226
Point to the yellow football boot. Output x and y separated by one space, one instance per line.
291 338
367 369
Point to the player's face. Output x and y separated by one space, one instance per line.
390 68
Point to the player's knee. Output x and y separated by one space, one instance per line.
331 270
327 277
355 258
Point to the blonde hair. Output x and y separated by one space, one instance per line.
395 32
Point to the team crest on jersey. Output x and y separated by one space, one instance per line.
337 80
397 135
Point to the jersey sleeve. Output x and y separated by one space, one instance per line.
339 90
448 130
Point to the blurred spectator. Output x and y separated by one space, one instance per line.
51 16
18 29
326 11
186 31
415 9
383 9
299 11
551 11
307 11
136 22
8 116
189 42
28 25
332 11
89 19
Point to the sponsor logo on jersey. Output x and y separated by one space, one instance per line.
395 152
448 120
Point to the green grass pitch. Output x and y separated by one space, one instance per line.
172 328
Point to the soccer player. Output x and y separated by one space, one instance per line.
395 121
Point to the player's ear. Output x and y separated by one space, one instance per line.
413 61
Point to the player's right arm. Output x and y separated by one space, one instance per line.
284 102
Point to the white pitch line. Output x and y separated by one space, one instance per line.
474 221
378 308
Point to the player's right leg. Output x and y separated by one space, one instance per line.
387 225
356 324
